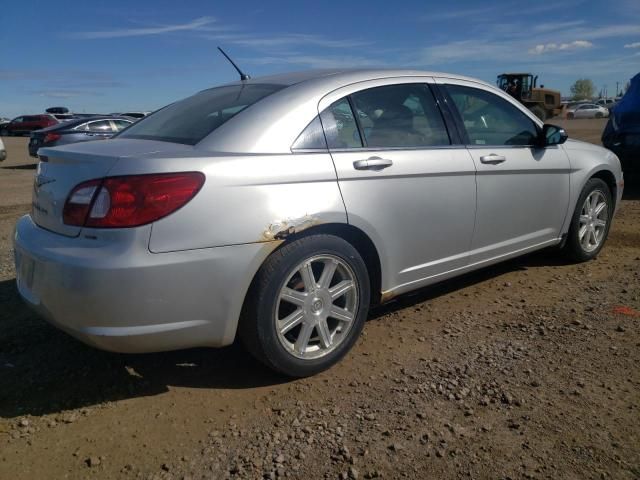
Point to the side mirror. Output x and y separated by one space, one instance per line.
553 135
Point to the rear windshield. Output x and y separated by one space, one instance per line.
190 120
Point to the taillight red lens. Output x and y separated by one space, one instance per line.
51 137
136 200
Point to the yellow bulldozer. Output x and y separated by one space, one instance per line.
543 102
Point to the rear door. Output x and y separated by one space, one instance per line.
523 189
402 180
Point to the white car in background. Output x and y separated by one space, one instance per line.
3 152
587 110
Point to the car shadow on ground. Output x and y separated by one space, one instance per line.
28 166
43 370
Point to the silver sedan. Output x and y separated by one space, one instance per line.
588 110
280 208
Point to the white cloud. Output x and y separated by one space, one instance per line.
632 45
554 47
65 93
505 10
201 23
285 40
314 61
551 26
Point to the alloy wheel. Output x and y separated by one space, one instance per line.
316 307
593 221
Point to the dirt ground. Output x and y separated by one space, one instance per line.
528 370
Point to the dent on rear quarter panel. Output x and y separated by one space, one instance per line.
253 198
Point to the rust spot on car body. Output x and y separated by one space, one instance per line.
387 296
280 230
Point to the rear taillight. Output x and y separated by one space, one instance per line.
79 202
119 202
51 137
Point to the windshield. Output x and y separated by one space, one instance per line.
190 120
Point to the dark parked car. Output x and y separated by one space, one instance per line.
136 115
78 130
622 133
28 123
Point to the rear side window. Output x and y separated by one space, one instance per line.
340 125
311 138
396 116
190 120
121 124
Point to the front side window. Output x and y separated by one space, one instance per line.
395 116
490 119
190 120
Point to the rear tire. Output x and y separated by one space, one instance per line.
307 305
590 222
4 132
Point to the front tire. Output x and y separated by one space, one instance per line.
591 221
570 116
307 305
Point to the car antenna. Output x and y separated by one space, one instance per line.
243 76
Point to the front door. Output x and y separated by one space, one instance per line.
523 189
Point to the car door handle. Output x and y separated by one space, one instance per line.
372 163
493 159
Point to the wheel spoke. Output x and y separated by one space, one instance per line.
293 296
308 278
584 219
291 321
327 273
594 201
303 338
324 333
600 208
600 223
340 289
340 314
582 231
593 241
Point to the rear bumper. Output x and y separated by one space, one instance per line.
123 298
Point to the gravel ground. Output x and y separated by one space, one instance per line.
528 369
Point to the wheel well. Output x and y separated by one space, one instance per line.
607 177
360 241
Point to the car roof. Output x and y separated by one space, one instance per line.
346 75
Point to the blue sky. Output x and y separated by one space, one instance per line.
116 56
